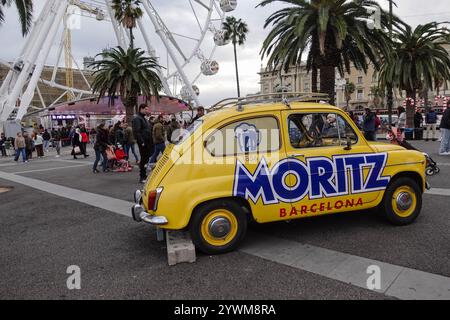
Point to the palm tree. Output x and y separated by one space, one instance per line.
236 31
334 33
128 74
349 89
419 61
25 10
127 12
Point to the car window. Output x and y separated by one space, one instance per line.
309 130
254 135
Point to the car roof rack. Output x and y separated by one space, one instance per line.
283 97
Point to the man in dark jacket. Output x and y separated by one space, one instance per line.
430 123
444 150
369 126
142 131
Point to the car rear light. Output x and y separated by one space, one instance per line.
153 198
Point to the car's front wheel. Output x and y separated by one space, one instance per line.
218 226
402 201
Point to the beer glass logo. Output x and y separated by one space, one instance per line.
248 137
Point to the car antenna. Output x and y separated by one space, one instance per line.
286 102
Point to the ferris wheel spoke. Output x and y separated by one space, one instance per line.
195 15
202 4
186 37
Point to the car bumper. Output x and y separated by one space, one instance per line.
139 214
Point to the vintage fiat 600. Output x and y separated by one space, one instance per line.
273 161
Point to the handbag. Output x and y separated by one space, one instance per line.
77 150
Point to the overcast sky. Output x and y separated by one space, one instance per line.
93 36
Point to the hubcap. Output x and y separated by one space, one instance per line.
404 201
219 227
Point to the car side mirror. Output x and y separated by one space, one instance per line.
349 144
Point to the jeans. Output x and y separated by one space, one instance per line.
445 143
145 152
20 151
3 151
98 155
127 151
46 144
159 148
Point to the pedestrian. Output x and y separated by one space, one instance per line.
3 144
401 122
200 113
46 137
130 142
119 135
39 145
56 137
444 149
142 131
430 124
174 128
418 120
20 146
29 146
76 143
158 140
84 142
369 126
100 146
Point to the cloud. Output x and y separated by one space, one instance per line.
95 36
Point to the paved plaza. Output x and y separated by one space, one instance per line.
55 213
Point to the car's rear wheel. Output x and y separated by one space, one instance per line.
218 226
402 201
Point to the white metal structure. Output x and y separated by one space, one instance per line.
181 34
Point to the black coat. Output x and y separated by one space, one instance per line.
76 140
101 140
445 122
142 130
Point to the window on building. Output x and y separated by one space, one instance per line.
360 80
306 87
360 94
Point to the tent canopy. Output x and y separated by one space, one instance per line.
165 105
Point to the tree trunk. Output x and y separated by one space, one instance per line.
130 108
314 75
237 72
327 81
410 108
131 39
390 102
425 99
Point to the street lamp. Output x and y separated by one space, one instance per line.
390 90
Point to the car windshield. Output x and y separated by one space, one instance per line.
186 133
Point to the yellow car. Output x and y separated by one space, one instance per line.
265 162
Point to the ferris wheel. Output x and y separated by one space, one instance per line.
182 35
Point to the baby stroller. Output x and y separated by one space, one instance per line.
118 160
396 137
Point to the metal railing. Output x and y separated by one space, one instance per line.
283 97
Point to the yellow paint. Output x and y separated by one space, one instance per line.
188 181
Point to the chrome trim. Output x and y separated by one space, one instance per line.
139 214
159 190
137 196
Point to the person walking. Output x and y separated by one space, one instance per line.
29 146
84 142
130 141
56 137
158 140
46 137
119 135
418 120
430 124
142 131
3 144
444 149
76 143
369 126
100 146
20 146
39 145
401 122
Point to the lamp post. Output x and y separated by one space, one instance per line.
390 90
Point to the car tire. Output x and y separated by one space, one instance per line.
402 201
218 226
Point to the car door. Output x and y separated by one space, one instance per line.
253 146
333 166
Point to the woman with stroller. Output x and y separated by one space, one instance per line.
100 146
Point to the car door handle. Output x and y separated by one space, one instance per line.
296 155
